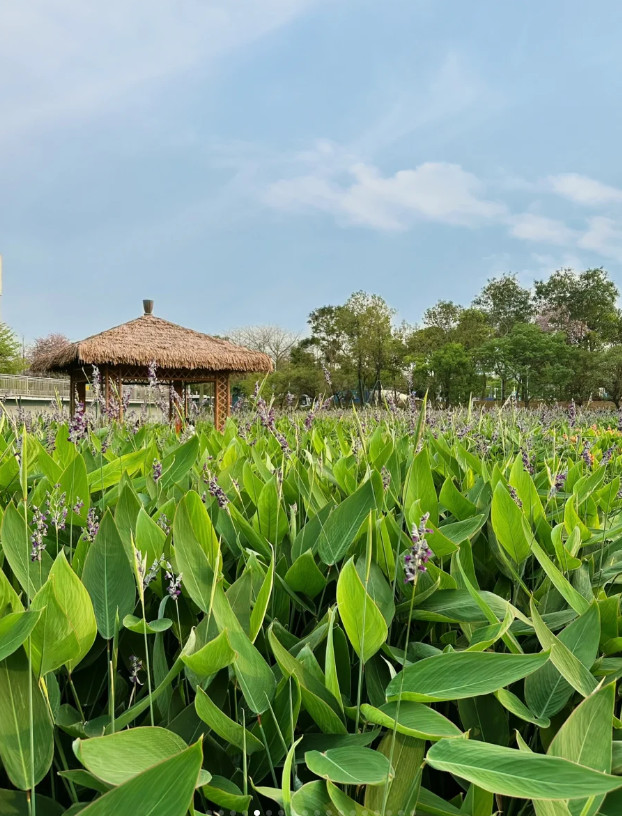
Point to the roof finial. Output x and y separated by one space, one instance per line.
148 306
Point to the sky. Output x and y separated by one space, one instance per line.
246 161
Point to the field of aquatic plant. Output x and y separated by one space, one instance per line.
382 612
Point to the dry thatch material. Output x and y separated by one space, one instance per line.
147 339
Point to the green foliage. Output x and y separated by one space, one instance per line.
269 640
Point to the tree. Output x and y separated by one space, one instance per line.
444 315
505 302
611 368
11 358
274 341
583 305
453 374
43 347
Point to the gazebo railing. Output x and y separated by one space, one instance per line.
17 385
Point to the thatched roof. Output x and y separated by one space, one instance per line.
147 339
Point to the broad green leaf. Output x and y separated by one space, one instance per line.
508 525
23 766
224 726
165 789
211 658
304 576
118 757
350 766
571 669
546 691
364 623
561 584
258 612
17 803
196 549
67 627
17 548
15 629
272 518
457 675
412 719
142 627
406 755
226 794
316 699
111 473
176 466
585 738
74 483
510 772
419 486
313 798
344 522
108 577
515 706
150 537
254 676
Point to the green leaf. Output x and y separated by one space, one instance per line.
509 772
254 676
585 738
419 486
143 627
272 518
15 629
350 766
561 584
217 654
571 669
196 549
118 757
111 473
165 789
313 798
17 547
17 803
258 612
364 623
150 537
23 767
508 525
304 576
546 691
412 719
224 726
316 699
67 627
406 755
344 522
226 794
457 675
108 577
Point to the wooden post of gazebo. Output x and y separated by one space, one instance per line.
222 398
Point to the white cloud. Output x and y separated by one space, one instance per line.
530 227
584 190
434 191
69 58
604 235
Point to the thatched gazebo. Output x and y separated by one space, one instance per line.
182 356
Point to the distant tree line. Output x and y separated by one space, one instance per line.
560 340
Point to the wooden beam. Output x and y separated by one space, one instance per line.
72 394
222 400
120 390
81 389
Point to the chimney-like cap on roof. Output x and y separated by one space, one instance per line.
148 306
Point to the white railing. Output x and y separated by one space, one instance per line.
17 385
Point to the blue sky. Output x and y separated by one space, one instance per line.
245 161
